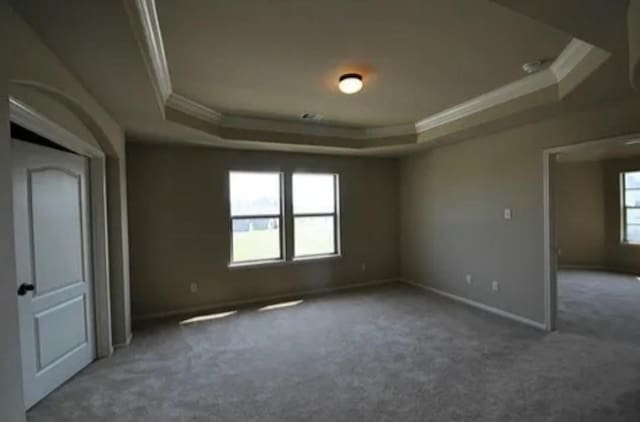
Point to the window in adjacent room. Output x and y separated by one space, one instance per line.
315 215
256 216
630 182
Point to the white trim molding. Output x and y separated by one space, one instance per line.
574 53
261 300
31 119
143 16
475 304
125 344
576 62
533 83
193 108
573 58
287 126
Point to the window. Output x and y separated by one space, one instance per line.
256 216
315 214
630 182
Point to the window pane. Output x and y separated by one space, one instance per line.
256 239
314 236
632 179
633 233
254 193
633 216
632 198
313 193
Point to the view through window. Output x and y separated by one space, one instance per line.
256 216
315 214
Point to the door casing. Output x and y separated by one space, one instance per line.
29 118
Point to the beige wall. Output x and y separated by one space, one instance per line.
633 23
11 401
180 229
453 199
580 214
37 77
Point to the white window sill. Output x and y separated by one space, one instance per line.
280 262
256 264
314 258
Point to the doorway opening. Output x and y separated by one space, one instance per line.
592 237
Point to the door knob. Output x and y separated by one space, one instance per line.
24 288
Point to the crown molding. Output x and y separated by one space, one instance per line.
193 108
574 55
287 126
144 19
578 60
390 131
514 90
29 118
570 57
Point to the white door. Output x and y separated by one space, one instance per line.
53 266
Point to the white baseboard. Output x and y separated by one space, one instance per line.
313 292
606 269
583 267
125 344
259 300
487 308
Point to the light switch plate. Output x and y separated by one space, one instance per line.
507 213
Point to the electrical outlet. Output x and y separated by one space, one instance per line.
468 278
495 286
193 287
507 213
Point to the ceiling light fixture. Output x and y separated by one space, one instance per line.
350 83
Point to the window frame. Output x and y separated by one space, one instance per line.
281 221
623 208
337 251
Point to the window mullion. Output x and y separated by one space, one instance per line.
328 214
257 216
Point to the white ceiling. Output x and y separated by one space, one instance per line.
281 59
278 59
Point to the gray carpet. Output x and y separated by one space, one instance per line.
387 353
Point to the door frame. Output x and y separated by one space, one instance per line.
27 117
550 257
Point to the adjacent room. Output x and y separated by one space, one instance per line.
596 191
418 210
